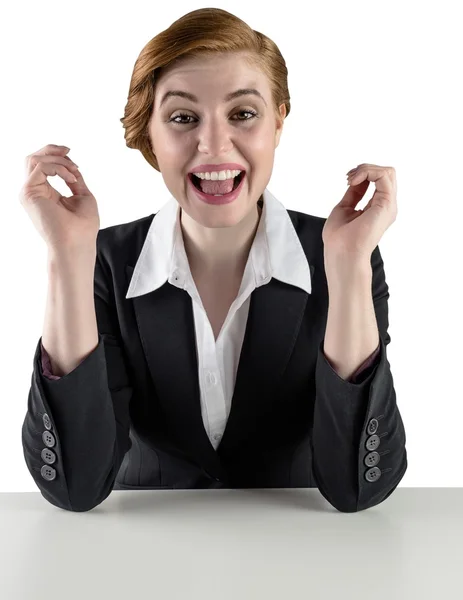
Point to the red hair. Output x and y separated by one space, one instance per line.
202 32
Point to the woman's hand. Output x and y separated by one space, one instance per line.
63 222
353 234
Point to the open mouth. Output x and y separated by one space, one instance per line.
236 181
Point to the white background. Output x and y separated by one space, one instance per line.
374 82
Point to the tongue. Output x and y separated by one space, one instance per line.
224 186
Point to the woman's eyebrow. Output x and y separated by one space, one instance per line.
228 97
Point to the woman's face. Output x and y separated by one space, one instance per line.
242 130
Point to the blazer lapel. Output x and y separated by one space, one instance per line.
166 327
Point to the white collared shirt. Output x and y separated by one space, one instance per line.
276 252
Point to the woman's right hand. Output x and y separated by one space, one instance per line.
63 222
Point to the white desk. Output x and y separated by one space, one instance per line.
281 544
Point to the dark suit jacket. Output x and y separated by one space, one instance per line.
128 416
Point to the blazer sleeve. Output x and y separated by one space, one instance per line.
76 430
359 453
361 372
46 363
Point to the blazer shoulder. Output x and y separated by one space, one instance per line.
309 229
123 242
306 221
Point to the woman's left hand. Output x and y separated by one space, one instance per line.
354 234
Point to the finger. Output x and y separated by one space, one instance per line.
79 186
354 194
61 160
369 204
49 149
53 148
48 169
360 180
380 176
74 164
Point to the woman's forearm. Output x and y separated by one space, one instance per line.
351 334
70 331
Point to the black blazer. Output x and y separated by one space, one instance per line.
128 416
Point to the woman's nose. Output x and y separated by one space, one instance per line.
215 139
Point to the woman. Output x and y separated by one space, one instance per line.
224 341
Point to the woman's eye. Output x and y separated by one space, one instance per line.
172 120
183 115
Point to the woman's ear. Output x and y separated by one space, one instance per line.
279 124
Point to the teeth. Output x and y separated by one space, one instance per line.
218 175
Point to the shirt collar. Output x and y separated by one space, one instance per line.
276 250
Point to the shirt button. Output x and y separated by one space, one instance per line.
177 275
211 378
217 436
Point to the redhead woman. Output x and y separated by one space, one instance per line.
224 341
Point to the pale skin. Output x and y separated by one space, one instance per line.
349 237
218 238
351 334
